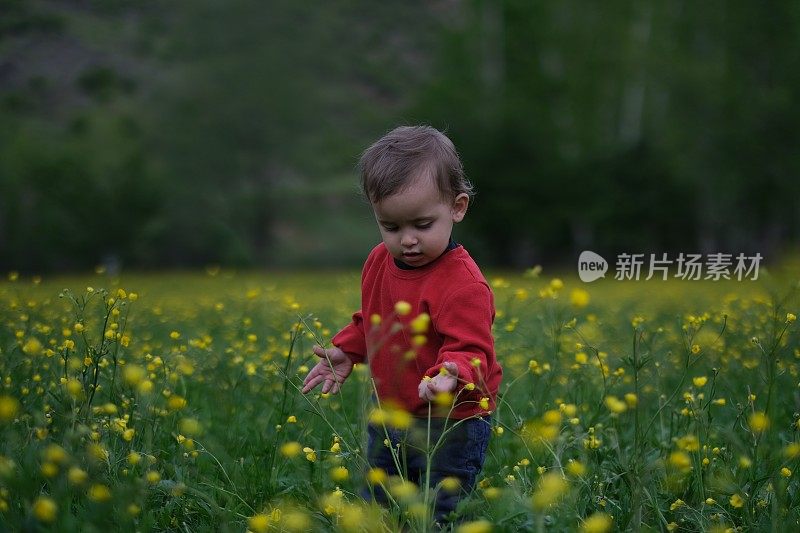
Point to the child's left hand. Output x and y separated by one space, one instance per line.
442 382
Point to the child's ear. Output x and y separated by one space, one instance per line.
460 205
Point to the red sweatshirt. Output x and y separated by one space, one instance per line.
454 293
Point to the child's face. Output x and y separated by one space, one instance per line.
416 223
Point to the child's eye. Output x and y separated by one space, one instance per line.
390 228
426 225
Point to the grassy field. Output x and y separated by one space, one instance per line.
171 402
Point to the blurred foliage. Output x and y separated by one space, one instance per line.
155 134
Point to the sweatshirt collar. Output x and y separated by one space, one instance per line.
452 245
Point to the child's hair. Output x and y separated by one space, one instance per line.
407 152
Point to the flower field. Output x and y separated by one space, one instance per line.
172 402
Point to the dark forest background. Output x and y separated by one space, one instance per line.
155 134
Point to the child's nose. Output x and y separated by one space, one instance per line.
408 239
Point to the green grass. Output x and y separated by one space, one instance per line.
653 406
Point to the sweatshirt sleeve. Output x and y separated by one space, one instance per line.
465 324
351 339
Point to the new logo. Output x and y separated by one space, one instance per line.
591 266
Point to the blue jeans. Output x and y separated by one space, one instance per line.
460 456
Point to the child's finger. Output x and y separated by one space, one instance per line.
451 368
319 350
312 380
421 390
431 390
311 375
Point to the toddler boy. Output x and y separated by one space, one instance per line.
424 327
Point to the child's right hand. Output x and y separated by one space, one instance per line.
331 370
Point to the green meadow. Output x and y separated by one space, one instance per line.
172 402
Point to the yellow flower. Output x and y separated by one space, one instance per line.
579 298
550 489
259 523
55 454
402 308
74 388
790 317
403 490
190 427
339 474
576 468
176 403
133 375
378 416
291 449
296 520
420 324
696 349
484 403
552 417
450 484
758 421
311 454
152 477
689 443
134 458
615 405
49 469
677 504
99 493
492 493
736 501
699 381
376 476
32 347
443 399
352 518
400 419
478 526
680 461
77 476
792 451
45 509
785 472
597 523
631 400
